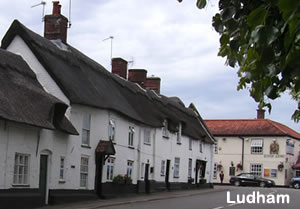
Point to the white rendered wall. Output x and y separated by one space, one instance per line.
230 150
18 46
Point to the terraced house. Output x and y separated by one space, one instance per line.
70 129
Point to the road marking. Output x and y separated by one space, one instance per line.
218 207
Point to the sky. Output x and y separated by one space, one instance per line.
171 40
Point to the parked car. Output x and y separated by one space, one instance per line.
249 179
295 182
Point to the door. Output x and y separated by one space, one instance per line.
43 177
197 171
167 174
147 182
99 171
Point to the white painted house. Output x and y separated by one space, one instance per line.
260 146
153 139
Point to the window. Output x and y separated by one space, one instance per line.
112 130
190 144
62 168
129 168
231 171
110 169
21 169
176 167
216 147
190 168
273 173
201 146
215 171
298 172
147 136
130 136
178 134
162 167
84 170
256 169
86 125
165 129
256 146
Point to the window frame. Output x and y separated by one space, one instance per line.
84 171
110 169
147 135
131 134
297 172
256 171
129 171
216 147
162 167
112 130
215 171
176 167
178 133
165 130
86 130
257 148
62 168
25 170
200 146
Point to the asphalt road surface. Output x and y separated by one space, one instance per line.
219 200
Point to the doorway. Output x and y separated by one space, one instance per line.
43 177
147 182
167 174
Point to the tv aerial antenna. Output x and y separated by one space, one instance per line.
131 62
43 3
111 47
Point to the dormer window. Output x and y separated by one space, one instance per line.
178 133
112 130
165 129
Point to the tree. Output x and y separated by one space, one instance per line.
262 39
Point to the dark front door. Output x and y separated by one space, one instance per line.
167 174
147 182
99 169
43 176
197 171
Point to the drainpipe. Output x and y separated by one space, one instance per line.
243 150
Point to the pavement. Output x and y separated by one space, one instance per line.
101 203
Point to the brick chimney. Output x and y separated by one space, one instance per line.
260 113
138 76
153 83
56 25
119 67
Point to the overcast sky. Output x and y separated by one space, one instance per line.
171 40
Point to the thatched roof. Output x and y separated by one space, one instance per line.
23 100
86 82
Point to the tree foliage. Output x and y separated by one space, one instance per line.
262 39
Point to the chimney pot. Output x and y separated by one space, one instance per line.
260 113
56 8
56 25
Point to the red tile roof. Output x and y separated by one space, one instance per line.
254 127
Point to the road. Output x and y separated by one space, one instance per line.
218 200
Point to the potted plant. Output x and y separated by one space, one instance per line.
239 166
